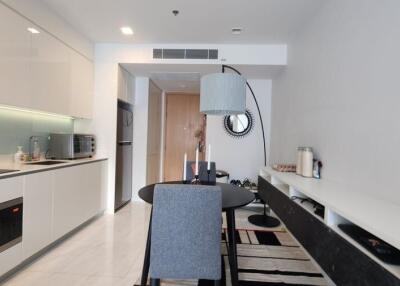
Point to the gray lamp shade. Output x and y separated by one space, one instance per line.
223 94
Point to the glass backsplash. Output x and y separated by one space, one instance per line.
17 126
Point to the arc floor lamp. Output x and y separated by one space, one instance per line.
225 94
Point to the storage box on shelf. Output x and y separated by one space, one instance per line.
341 206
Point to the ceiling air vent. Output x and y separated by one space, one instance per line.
199 54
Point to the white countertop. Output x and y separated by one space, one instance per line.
378 216
27 168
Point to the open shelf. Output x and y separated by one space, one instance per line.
342 206
394 269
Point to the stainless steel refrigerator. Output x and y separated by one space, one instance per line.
123 176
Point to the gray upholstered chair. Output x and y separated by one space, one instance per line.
203 175
186 233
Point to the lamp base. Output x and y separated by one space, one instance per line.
263 220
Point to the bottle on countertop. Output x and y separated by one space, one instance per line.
299 163
317 169
36 150
307 162
18 155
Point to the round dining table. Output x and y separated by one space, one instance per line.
233 197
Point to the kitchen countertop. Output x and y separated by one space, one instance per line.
27 168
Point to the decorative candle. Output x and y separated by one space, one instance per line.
209 158
184 166
197 161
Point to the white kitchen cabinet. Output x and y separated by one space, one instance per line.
82 86
38 212
40 72
50 66
15 52
125 85
78 195
10 188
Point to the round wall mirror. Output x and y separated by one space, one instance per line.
238 125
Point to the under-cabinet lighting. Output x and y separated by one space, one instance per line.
33 30
6 107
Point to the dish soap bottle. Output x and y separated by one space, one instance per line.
18 155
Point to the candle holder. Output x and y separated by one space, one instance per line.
196 180
208 175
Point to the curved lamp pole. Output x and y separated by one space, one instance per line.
258 108
264 219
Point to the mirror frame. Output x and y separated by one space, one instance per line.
244 132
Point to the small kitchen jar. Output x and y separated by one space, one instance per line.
307 162
299 164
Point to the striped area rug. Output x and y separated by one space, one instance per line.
265 258
270 258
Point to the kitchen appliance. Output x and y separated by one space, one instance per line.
71 146
10 223
123 175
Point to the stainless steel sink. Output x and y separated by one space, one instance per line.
49 162
4 171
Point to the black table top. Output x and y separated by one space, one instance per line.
232 196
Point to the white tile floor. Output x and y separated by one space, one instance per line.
109 251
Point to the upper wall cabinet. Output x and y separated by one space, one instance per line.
82 83
125 85
40 72
50 67
15 53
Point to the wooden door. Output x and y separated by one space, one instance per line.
185 130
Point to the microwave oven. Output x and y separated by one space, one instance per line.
71 146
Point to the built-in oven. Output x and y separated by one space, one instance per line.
10 223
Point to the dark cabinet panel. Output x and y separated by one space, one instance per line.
342 261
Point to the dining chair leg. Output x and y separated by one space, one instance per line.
146 262
232 251
154 282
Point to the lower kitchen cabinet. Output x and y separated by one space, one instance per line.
55 202
38 209
77 196
10 188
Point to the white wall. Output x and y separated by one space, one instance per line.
40 14
340 95
140 123
107 58
242 157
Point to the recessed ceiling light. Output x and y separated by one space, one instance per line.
236 31
33 30
127 30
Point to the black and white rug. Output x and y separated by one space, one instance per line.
265 258
270 258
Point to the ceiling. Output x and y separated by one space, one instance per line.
205 21
186 78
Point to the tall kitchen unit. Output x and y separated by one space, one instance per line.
123 176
